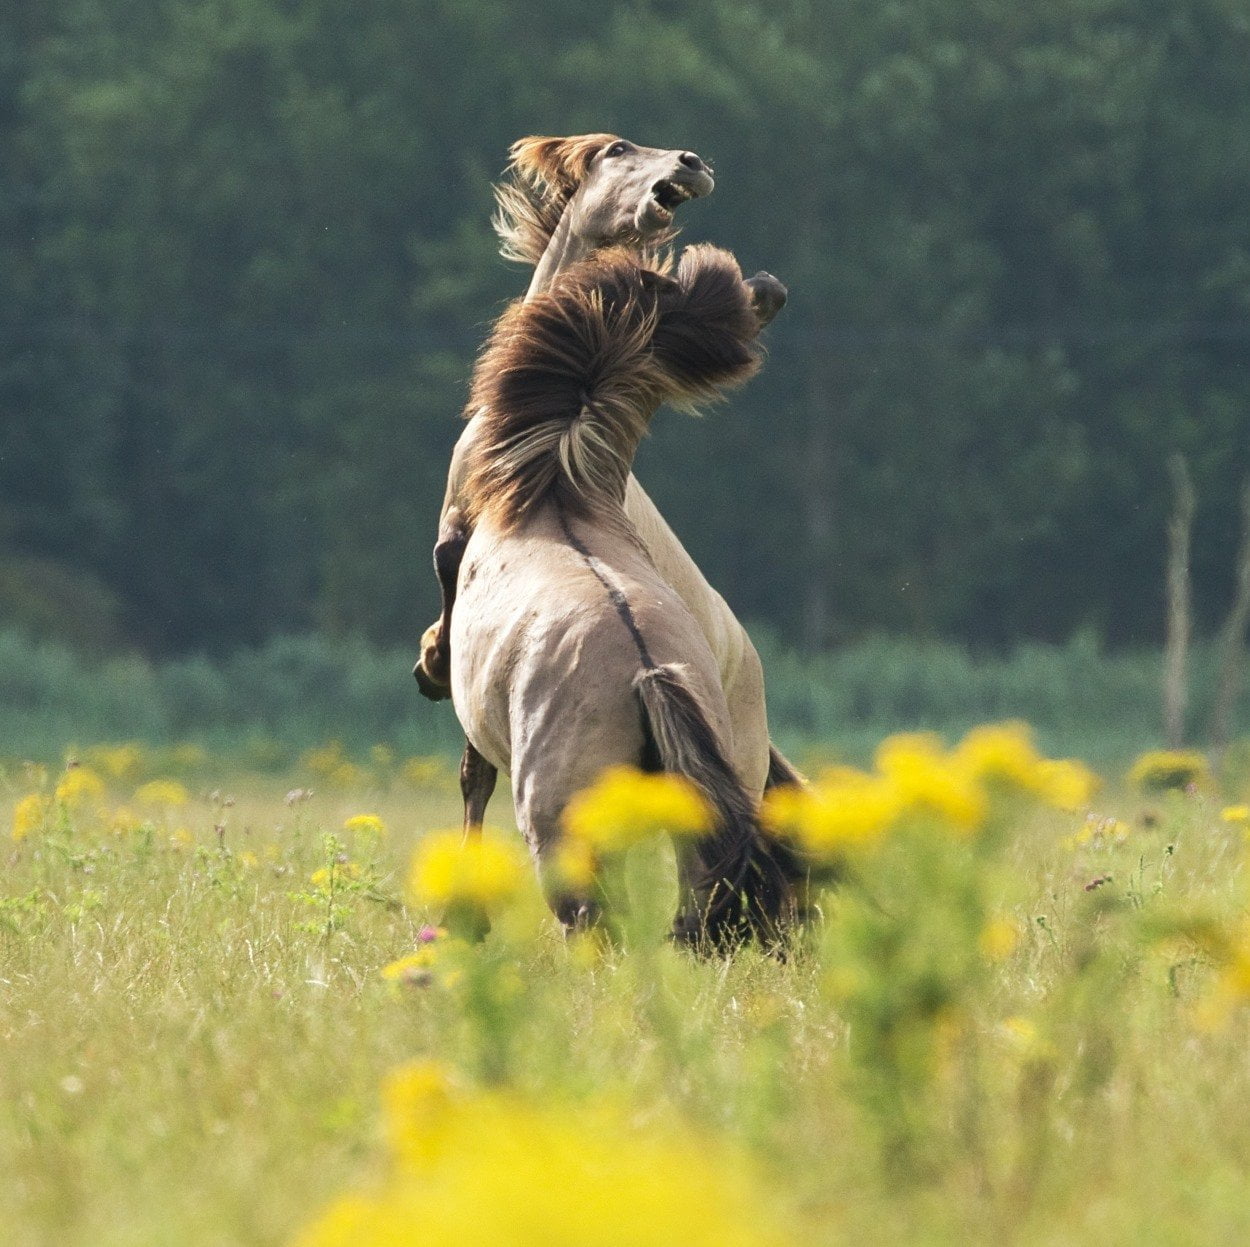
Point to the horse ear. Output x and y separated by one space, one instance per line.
561 163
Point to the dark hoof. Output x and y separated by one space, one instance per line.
768 296
577 915
433 689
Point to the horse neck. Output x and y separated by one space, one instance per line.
565 248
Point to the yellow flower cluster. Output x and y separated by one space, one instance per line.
998 939
1099 832
188 757
365 825
493 1168
78 787
625 806
332 766
326 878
415 968
449 870
1169 768
1231 988
29 815
123 763
162 794
915 777
426 772
123 822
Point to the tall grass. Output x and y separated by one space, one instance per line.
299 691
1005 1030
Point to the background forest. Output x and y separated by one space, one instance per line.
247 261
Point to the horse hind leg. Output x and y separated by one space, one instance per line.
477 783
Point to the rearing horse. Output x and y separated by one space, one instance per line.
569 651
562 200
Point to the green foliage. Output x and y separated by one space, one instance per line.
263 706
247 263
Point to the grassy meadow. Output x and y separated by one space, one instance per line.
233 1012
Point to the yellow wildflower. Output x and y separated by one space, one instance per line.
1023 1037
79 786
1099 832
625 806
425 772
1066 783
577 863
331 876
164 793
181 839
323 760
248 860
845 810
187 756
365 825
28 815
448 870
1231 988
930 781
416 1106
998 939
416 967
119 762
124 822
1169 768
1238 815
1002 752
347 775
478 1169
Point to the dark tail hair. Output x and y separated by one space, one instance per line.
744 889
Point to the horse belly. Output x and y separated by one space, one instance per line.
484 628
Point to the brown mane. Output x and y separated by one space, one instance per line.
568 381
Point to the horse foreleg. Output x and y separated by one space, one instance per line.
477 782
433 667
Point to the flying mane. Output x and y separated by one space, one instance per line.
543 174
568 382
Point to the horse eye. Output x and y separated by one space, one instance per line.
619 148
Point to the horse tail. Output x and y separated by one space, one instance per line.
744 886
782 773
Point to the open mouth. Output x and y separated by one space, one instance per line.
667 196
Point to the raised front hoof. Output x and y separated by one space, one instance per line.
768 295
435 690
433 669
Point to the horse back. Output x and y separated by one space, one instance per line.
553 624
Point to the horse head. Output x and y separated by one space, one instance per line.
597 188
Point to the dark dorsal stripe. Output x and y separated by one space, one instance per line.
618 599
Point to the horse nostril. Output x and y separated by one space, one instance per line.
690 160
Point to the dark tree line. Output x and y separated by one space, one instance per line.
246 264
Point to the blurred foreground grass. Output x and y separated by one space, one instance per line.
1009 1024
